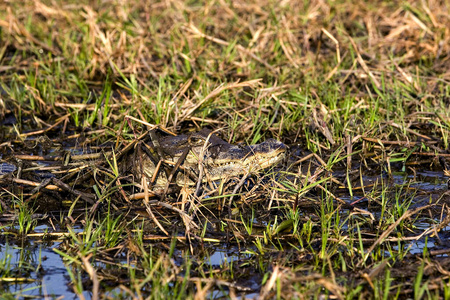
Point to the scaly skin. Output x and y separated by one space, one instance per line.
220 160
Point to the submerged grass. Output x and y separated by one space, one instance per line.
359 91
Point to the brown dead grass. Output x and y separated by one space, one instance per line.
228 41
225 64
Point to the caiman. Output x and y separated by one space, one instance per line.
187 157
218 159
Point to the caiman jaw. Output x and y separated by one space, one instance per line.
240 160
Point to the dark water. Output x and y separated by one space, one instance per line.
36 261
47 275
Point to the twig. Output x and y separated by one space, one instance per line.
397 142
148 208
363 63
86 197
388 231
236 188
36 184
187 113
60 120
92 274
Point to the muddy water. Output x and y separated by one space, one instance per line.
46 274
43 273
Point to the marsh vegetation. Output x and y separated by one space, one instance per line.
359 93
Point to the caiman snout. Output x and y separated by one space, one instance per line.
242 159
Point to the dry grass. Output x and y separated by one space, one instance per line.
357 90
175 55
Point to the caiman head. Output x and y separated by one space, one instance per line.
219 159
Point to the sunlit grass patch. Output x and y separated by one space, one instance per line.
359 92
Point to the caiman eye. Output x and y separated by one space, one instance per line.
193 140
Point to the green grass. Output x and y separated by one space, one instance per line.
362 88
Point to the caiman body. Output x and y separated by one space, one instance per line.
218 159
